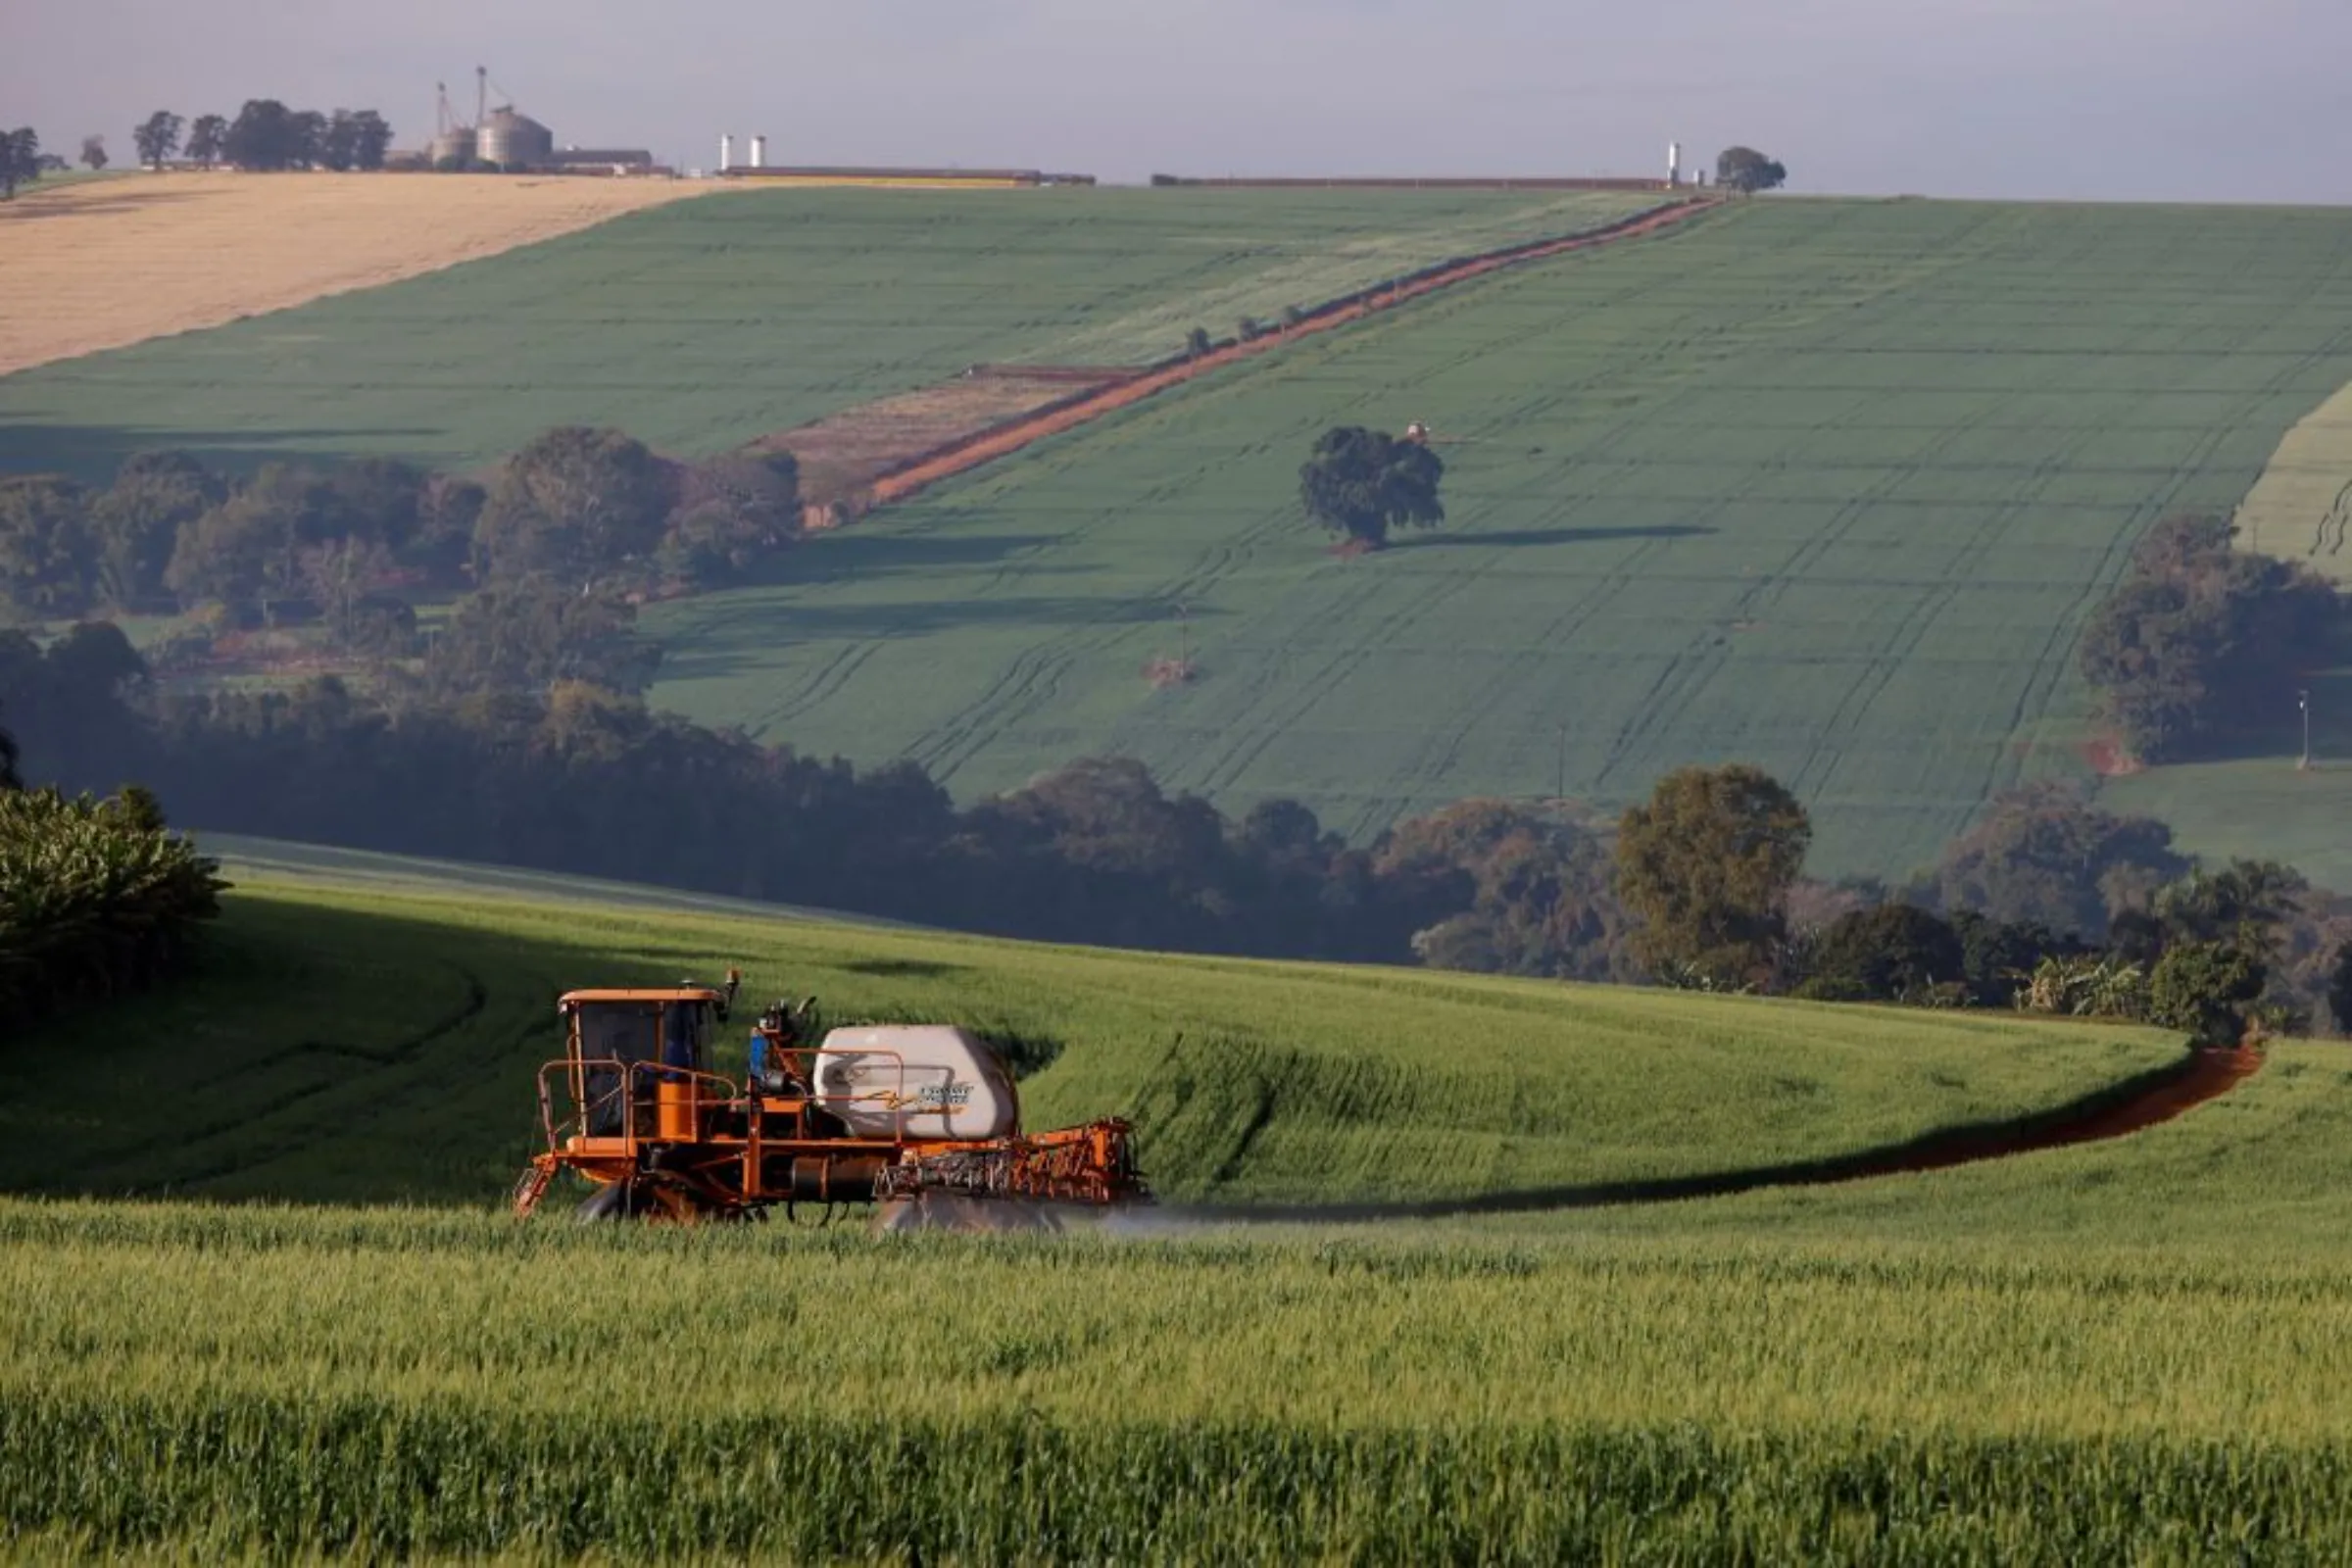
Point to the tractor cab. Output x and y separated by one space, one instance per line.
639 1060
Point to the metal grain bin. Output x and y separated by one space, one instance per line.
515 141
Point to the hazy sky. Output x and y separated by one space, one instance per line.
2127 99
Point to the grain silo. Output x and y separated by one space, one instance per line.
513 141
453 148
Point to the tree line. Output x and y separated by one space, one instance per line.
263 135
267 135
2047 903
557 543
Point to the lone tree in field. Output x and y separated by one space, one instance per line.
1362 483
1706 867
93 153
208 139
1747 170
9 778
157 137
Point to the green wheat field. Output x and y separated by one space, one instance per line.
289 1317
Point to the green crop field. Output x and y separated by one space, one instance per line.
375 1046
2138 1351
1824 487
701 326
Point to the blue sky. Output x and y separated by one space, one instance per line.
2113 99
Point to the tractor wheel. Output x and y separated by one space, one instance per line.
946 1211
616 1200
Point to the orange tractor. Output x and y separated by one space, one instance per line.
920 1118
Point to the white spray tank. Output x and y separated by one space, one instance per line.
914 1081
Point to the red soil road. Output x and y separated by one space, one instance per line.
930 468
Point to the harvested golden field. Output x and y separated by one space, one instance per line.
112 262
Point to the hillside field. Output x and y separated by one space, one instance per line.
2130 1351
95 265
707 324
1826 486
363 1045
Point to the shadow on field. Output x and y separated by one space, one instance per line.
28 208
868 548
320 1056
2131 1105
1512 538
92 453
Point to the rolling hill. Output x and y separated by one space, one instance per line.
706 324
2097 1353
1824 486
361 1044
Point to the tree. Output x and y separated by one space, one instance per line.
10 779
44 545
532 636
248 549
371 139
135 522
730 511
1361 483
1706 867
307 138
2201 639
577 503
340 576
207 141
1747 170
264 135
93 153
2205 988
446 512
1542 892
157 137
2339 989
2041 855
20 160
1998 957
339 143
1894 953
2245 900
1198 342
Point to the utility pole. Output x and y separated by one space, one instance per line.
2303 700
1560 769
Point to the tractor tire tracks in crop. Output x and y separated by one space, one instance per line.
2117 1112
925 469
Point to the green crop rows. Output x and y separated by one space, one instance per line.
2133 1350
381 1048
704 325
1828 487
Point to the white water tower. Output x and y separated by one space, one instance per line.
758 152
1674 162
726 153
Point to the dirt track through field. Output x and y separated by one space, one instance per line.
2118 1111
925 469
108 263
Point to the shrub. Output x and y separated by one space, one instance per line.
96 898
